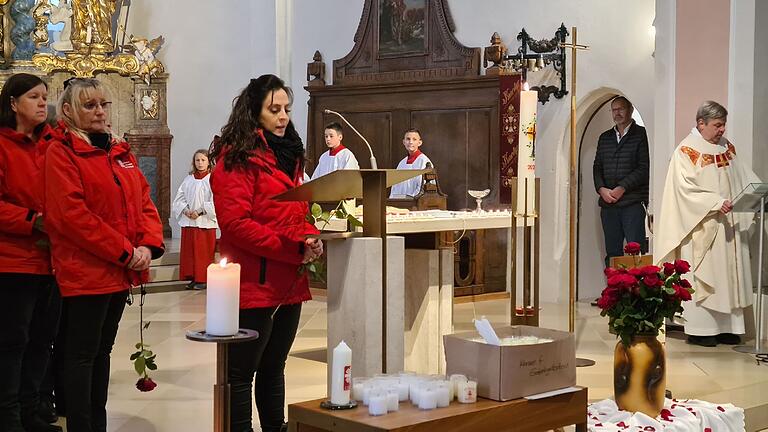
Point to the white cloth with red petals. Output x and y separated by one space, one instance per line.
685 415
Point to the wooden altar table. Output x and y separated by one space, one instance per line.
519 415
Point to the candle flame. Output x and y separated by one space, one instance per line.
223 262
526 87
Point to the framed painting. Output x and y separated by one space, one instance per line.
402 27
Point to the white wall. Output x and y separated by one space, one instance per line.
327 26
620 57
210 53
760 135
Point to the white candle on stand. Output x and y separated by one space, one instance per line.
341 374
222 304
526 158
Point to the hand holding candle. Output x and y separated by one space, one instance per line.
222 308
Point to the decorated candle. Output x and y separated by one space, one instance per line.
467 392
526 155
222 304
341 374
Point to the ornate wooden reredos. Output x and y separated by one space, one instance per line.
405 41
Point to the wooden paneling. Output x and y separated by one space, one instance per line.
458 121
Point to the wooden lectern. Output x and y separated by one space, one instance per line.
370 185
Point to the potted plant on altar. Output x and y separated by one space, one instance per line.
637 301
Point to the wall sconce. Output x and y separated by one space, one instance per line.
534 55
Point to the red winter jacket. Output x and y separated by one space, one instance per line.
21 200
97 209
266 237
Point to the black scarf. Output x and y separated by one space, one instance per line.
100 140
288 149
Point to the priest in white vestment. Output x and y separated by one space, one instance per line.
415 160
337 157
696 223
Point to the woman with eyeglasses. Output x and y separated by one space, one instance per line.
104 231
258 156
29 312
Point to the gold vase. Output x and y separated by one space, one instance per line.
639 375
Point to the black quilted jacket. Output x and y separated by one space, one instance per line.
625 163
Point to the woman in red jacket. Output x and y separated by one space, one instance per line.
104 232
29 312
258 156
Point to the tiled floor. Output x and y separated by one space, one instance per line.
183 399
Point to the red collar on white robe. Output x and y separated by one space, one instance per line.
336 150
412 157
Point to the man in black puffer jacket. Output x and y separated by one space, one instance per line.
620 172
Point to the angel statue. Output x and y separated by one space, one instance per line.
145 51
62 14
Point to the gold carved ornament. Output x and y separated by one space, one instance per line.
92 41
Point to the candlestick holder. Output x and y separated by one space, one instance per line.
221 414
327 404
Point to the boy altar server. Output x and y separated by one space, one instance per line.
337 157
415 160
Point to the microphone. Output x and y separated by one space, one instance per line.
373 159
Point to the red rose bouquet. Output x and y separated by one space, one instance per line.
637 300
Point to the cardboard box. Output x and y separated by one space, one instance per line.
510 372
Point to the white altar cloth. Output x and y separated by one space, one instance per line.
684 415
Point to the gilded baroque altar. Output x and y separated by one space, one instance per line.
59 39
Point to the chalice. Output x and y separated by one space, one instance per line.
478 195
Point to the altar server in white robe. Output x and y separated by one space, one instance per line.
697 224
337 157
415 160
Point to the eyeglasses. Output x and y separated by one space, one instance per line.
90 106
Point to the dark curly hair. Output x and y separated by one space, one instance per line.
238 139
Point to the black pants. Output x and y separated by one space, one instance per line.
91 327
623 223
265 357
28 324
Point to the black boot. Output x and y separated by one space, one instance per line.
36 424
705 341
45 409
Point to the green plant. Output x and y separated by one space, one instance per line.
344 210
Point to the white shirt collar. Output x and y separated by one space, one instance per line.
626 130
695 132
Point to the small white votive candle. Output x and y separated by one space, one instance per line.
358 385
402 391
443 395
393 399
455 380
377 403
427 399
